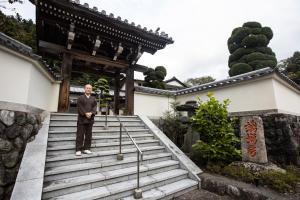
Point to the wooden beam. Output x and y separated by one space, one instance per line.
63 102
79 55
116 93
140 68
129 93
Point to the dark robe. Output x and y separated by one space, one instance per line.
84 124
85 105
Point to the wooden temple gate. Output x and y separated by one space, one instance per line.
86 40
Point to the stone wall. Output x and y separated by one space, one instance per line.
16 130
282 135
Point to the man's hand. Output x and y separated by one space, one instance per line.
88 115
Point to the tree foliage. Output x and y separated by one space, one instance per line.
20 29
199 81
291 67
101 88
155 77
248 48
171 125
84 79
217 140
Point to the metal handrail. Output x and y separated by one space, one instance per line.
138 191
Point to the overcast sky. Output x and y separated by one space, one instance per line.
200 29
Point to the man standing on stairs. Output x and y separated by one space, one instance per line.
87 109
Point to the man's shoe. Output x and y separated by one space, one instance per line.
78 153
87 151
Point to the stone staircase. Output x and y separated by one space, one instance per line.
100 175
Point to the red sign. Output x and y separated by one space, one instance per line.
251 129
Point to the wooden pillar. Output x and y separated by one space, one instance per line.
116 93
66 69
129 91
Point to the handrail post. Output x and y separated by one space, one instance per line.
138 192
120 155
106 127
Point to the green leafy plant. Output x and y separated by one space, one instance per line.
217 140
171 125
101 88
84 79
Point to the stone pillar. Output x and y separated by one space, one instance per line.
253 140
66 69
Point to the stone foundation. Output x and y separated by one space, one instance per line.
282 136
16 130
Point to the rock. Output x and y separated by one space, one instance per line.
233 191
7 117
8 192
26 131
1 192
190 138
13 131
11 175
2 175
31 118
214 186
5 145
256 168
19 143
10 159
253 139
2 128
31 139
35 130
20 118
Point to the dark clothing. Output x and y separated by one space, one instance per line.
85 125
84 136
85 105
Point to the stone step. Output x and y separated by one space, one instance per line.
53 141
169 191
71 159
68 123
54 134
74 128
68 116
69 149
62 172
126 188
66 186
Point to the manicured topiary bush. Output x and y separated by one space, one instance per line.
155 77
248 45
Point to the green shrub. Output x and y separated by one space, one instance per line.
282 182
239 173
218 142
171 125
240 68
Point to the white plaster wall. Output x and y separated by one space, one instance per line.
247 96
23 82
150 105
255 95
14 78
42 93
287 98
